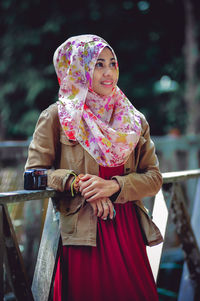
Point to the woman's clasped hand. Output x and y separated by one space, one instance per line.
97 191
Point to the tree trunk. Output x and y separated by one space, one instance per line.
191 59
2 129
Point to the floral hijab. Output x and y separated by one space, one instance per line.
108 127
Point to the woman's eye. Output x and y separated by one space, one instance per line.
99 65
113 64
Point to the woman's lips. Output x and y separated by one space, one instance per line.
107 83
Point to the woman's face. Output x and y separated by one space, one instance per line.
105 74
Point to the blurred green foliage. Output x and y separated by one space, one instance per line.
148 37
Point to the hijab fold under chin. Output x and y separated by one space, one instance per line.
108 127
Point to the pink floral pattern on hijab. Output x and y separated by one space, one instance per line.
108 127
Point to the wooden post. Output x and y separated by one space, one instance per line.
191 53
17 272
186 291
47 257
1 254
193 162
185 233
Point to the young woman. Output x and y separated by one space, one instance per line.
97 148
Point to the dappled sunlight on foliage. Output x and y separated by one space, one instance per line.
148 46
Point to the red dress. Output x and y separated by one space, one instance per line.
116 270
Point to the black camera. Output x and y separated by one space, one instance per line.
35 179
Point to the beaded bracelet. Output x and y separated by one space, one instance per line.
74 184
71 186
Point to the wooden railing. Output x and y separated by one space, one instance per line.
172 200
170 197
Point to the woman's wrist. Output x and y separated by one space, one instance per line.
114 186
69 182
72 183
116 192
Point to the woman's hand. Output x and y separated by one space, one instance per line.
94 188
103 208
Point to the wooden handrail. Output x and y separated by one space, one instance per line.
28 195
177 176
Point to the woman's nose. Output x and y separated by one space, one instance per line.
107 71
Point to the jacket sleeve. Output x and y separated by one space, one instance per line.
44 149
147 180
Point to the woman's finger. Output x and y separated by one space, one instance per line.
106 209
111 208
94 207
89 182
103 208
100 209
85 181
86 177
92 195
87 189
84 184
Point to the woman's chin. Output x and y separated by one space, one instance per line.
105 92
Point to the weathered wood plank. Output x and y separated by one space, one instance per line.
178 143
47 257
18 276
177 176
1 254
26 195
185 233
186 289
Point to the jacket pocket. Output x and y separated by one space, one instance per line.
69 206
69 214
68 224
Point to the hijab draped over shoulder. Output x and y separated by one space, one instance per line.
108 127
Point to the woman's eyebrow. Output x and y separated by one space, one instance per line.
103 60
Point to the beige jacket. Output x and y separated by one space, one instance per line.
52 150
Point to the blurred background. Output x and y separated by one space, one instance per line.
157 45
150 38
